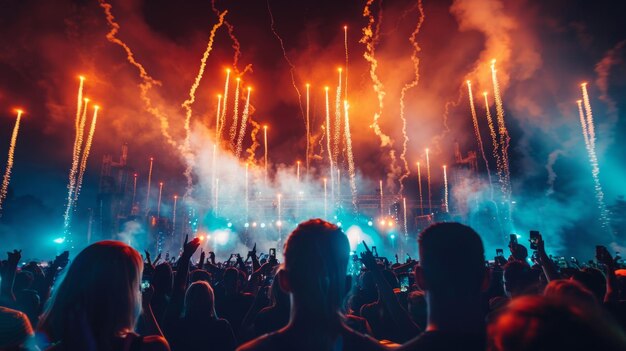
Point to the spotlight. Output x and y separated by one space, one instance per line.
60 240
339 224
279 223
229 225
254 224
369 223
392 236
262 225
246 225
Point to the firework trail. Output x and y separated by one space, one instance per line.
255 144
351 169
408 86
244 120
419 186
159 202
337 126
445 189
430 200
233 127
71 186
265 154
7 172
147 81
224 101
308 128
83 161
370 38
134 188
292 67
479 139
174 213
330 152
583 123
345 45
79 101
494 141
591 138
192 98
504 133
217 117
149 185
236 45
406 229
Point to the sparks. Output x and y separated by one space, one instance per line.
445 191
265 155
224 101
7 171
504 133
351 168
233 127
149 185
159 201
479 139
337 125
83 162
330 152
308 128
494 142
218 117
244 123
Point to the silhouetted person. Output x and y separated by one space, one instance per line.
536 323
314 274
275 316
200 328
97 304
234 303
452 274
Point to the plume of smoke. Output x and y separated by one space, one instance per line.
554 155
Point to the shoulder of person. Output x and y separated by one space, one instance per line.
262 343
154 343
357 341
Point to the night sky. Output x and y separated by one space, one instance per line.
545 49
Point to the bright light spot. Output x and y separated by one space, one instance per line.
201 237
246 225
254 224
382 222
221 237
262 225
354 234
518 236
390 223
393 236
229 225
279 223
369 223
59 240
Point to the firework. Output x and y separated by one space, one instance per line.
325 199
83 162
494 141
79 101
279 207
265 155
147 81
479 140
149 185
595 167
337 126
134 188
252 149
174 214
292 67
419 187
504 134
7 172
351 168
406 227
408 86
583 123
298 172
217 117
244 123
233 127
224 103
380 185
445 189
159 202
430 198
345 45
308 128
330 153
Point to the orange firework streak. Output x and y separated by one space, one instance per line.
308 129
79 101
233 127
337 134
192 98
225 101
255 143
330 152
7 172
345 45
351 169
83 161
494 141
236 45
430 198
504 133
71 186
479 139
419 186
217 117
292 67
415 60
147 81
244 121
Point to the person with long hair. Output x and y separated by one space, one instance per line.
314 275
96 305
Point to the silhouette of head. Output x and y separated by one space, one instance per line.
162 279
200 300
452 260
519 278
593 279
100 291
315 266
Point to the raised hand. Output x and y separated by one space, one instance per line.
62 260
202 257
369 261
190 247
14 257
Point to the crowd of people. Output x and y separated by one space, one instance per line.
110 298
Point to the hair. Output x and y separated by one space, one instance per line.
593 279
100 290
200 300
315 262
519 278
161 279
572 291
540 323
452 259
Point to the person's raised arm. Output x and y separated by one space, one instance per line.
604 257
547 265
400 316
8 274
150 325
255 260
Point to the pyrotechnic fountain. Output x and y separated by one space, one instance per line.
7 172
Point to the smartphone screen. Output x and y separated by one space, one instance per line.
499 252
145 284
404 283
534 239
513 238
273 252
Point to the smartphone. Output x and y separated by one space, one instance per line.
513 239
535 238
404 283
499 252
272 252
374 251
